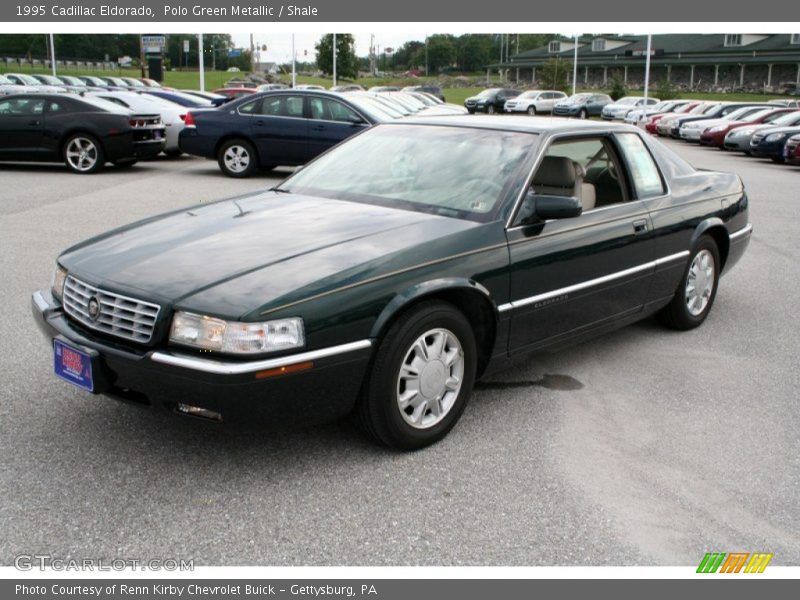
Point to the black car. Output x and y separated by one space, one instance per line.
83 133
490 101
769 142
284 127
433 90
388 275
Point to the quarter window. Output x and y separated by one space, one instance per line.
644 173
282 106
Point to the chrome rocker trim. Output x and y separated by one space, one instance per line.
219 367
592 282
746 230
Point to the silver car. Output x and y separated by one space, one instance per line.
739 139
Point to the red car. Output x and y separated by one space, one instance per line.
650 125
791 152
715 136
235 92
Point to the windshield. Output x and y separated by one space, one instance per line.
50 80
4 80
28 80
789 119
528 95
627 100
376 110
578 98
72 80
392 104
451 171
489 92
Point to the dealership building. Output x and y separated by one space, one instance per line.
704 62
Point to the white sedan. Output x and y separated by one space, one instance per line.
172 115
534 101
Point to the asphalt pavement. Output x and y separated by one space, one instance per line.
642 447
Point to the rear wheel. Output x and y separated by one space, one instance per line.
421 378
695 296
532 110
173 153
490 109
83 154
237 158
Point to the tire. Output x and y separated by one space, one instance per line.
490 109
237 158
748 153
678 314
125 164
173 153
83 154
778 159
532 110
583 114
267 168
388 385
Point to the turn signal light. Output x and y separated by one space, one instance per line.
284 370
189 120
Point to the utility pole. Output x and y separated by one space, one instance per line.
426 55
334 59
201 62
252 55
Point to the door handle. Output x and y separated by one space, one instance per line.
34 122
640 227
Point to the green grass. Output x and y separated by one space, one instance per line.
217 79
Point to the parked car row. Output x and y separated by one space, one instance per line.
760 129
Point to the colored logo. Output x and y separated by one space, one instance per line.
734 562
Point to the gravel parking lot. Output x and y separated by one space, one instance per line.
645 446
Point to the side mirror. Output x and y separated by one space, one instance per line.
555 207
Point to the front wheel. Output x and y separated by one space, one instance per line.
532 111
490 109
583 114
421 378
237 158
83 154
695 296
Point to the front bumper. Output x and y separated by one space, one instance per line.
566 112
239 391
691 135
741 144
768 149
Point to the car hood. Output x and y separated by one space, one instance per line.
770 130
232 257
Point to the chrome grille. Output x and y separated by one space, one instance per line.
118 315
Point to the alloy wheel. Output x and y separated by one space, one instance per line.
236 158
430 378
81 154
699 283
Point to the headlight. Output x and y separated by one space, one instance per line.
742 132
774 137
717 129
236 337
59 277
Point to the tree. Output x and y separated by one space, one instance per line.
666 90
555 75
473 51
441 53
405 56
346 59
618 89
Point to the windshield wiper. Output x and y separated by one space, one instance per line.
280 190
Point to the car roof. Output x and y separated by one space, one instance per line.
540 125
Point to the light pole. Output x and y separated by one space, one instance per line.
575 68
202 62
294 70
647 68
53 54
334 59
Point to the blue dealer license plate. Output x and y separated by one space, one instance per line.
73 365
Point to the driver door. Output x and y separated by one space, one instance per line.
571 275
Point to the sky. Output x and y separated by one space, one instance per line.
279 45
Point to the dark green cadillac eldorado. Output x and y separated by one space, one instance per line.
393 271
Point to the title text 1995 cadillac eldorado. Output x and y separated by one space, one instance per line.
390 273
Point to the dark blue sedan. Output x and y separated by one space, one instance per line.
180 98
282 127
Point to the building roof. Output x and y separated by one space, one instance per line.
681 48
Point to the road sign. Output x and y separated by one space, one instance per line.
186 45
234 52
154 44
